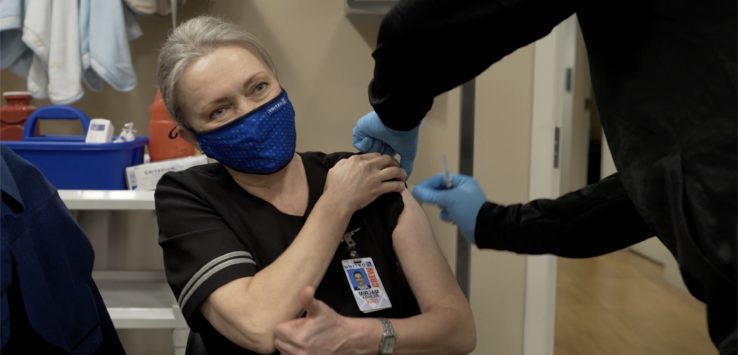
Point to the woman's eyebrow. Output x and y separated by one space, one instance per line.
253 78
208 106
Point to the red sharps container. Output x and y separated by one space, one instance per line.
163 142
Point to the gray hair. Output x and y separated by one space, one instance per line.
192 40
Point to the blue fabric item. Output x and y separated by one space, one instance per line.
105 27
14 54
260 142
6 277
459 204
371 135
47 260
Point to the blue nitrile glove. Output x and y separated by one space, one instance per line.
371 135
459 204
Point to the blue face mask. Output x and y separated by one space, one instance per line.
260 142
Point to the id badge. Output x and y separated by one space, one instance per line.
366 285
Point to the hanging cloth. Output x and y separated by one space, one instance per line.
156 7
51 31
106 26
14 54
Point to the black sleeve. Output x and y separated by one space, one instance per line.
389 207
427 47
595 220
201 253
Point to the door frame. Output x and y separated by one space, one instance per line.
553 97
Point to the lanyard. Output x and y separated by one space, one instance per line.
350 243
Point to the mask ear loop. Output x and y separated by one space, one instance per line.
174 133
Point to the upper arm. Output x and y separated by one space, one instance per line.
452 31
423 264
201 253
462 37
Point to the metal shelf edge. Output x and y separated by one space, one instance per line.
107 199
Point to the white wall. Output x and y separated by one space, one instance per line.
501 165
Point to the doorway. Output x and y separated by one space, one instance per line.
631 301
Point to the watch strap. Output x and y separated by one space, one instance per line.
387 343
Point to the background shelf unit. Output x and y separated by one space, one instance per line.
134 299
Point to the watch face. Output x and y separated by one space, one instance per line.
388 345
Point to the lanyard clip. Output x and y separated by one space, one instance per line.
350 243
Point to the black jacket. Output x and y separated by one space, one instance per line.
664 77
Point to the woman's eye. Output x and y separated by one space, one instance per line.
217 113
260 87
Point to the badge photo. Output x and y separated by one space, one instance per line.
366 284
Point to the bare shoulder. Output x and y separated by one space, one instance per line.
413 223
413 236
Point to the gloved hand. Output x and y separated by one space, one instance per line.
371 135
459 204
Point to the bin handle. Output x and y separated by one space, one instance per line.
55 112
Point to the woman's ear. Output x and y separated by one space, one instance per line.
185 133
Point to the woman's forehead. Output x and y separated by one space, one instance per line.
224 69
234 61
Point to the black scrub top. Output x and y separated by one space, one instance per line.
212 231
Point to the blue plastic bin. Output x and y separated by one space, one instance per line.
70 163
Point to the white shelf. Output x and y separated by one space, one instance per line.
107 199
139 300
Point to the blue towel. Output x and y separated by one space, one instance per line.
106 26
14 54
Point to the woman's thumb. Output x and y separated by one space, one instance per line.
308 301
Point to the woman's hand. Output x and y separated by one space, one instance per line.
323 331
360 179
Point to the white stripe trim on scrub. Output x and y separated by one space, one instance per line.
209 269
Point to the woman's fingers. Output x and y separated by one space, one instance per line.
390 186
382 161
392 173
366 156
285 347
361 178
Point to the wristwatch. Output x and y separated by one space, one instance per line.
387 344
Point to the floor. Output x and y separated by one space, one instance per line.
620 304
